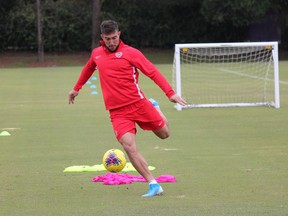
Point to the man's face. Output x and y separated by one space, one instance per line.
111 40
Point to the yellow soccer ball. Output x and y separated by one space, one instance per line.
114 160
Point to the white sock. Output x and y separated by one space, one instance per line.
152 182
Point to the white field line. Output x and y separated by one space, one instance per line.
10 128
250 76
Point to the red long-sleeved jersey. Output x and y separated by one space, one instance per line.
118 73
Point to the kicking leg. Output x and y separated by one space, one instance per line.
164 132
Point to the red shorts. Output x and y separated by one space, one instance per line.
142 112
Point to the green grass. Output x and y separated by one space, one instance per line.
228 161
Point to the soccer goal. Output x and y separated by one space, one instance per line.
227 74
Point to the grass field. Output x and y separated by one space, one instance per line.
227 161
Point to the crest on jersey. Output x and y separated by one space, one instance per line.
118 54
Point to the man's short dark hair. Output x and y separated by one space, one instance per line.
109 26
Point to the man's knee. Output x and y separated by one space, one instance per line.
128 142
165 136
163 133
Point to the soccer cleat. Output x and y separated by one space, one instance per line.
154 103
154 190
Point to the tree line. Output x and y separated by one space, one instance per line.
73 25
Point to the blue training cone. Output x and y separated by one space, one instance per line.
94 92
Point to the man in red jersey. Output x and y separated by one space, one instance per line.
118 65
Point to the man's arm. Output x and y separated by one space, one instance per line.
86 73
72 95
150 70
177 99
139 61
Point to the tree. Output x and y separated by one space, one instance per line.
67 25
71 24
95 23
39 32
238 13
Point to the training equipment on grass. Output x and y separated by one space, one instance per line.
114 160
227 74
116 179
5 133
100 167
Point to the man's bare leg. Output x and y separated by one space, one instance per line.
164 132
128 141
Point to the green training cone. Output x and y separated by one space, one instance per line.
5 133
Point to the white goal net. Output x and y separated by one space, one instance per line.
227 74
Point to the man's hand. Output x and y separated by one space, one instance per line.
72 95
177 99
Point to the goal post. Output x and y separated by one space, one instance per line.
227 74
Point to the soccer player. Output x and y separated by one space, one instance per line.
118 66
